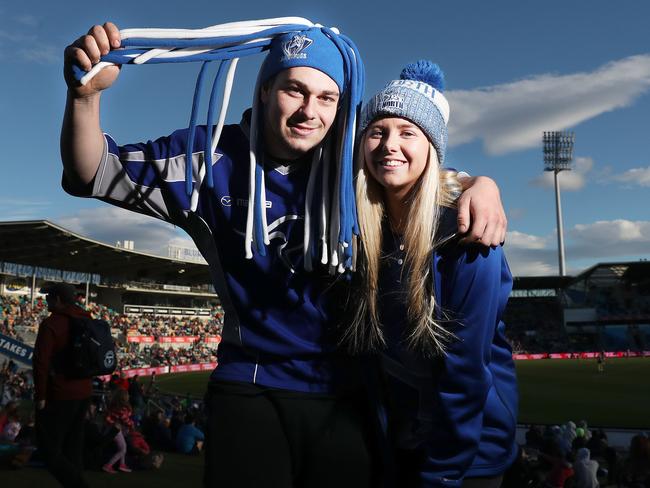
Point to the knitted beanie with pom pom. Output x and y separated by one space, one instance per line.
416 96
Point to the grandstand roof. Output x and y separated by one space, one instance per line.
540 282
44 244
609 273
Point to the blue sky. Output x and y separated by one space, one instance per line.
514 69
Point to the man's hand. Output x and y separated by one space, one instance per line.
85 52
40 405
480 212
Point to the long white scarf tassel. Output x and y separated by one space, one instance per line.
230 76
325 199
265 226
335 228
194 199
248 244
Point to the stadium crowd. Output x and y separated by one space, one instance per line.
535 326
127 426
573 456
153 356
17 314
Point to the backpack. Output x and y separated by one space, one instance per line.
91 349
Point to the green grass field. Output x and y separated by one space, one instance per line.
551 391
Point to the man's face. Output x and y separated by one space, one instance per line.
300 106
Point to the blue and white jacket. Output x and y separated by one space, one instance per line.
280 320
458 411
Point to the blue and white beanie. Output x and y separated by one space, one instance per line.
416 96
310 48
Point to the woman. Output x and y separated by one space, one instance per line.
431 306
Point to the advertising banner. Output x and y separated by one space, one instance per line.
16 350
177 339
140 339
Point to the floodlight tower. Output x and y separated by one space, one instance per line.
558 156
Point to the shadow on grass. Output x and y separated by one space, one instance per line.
177 470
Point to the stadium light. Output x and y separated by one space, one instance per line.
558 156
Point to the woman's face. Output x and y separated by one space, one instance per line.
396 153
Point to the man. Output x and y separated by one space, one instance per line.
285 408
61 402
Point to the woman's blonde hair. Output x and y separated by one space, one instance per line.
434 189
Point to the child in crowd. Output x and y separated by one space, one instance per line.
119 415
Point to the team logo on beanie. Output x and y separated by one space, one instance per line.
294 47
392 101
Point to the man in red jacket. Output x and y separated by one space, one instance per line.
61 402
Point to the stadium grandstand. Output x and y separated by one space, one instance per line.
169 303
163 311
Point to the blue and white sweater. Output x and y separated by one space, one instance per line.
280 320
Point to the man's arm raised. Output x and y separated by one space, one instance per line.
480 212
82 140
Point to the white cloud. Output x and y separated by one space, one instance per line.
112 224
27 20
41 54
531 255
513 116
637 176
516 213
611 238
569 180
12 209
526 241
21 43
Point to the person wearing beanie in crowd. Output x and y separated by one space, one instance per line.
60 401
430 307
274 217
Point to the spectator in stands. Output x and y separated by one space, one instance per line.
10 410
27 434
566 437
119 381
580 440
136 394
119 415
523 473
98 436
534 437
596 442
560 468
11 429
189 439
583 423
60 402
157 432
586 470
635 472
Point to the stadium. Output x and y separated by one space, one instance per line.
167 319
